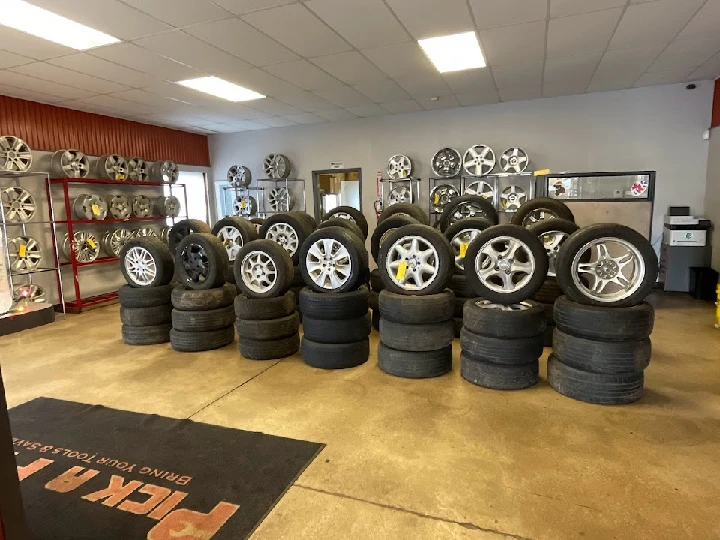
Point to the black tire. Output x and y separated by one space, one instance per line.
416 337
408 209
549 313
203 321
485 209
357 217
268 330
533 283
191 300
548 292
473 224
146 316
201 262
357 258
253 349
384 229
376 282
160 255
501 350
146 335
458 321
604 324
414 365
247 230
573 245
459 306
376 320
548 336
296 292
609 357
556 209
598 388
263 309
459 285
335 355
201 341
133 297
498 376
184 228
444 262
374 301
297 280
334 306
279 260
302 227
337 331
345 224
431 308
307 217
521 321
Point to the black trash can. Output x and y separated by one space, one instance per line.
703 283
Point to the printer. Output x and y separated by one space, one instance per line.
685 245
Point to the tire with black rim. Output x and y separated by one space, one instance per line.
602 356
414 365
415 260
432 308
183 228
385 228
146 335
345 224
607 265
501 350
553 233
407 209
498 376
269 329
604 324
201 341
253 349
191 300
262 309
337 331
335 355
146 316
288 230
263 269
598 388
201 262
541 209
349 305
234 232
506 264
146 262
203 321
348 213
133 297
333 260
461 234
467 206
416 337
523 320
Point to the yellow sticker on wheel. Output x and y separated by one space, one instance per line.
463 249
22 252
95 210
436 200
91 243
121 176
402 268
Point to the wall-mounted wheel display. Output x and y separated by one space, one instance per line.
70 164
276 166
514 160
112 167
184 228
281 199
465 207
24 253
399 194
288 230
88 207
168 206
479 160
165 171
481 188
263 269
119 207
138 170
553 233
234 232
114 240
144 232
512 197
239 176
29 293
85 245
201 262
146 262
15 154
399 167
245 205
333 259
18 204
351 214
446 163
461 234
539 209
441 195
142 206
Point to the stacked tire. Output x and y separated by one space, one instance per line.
202 315
267 322
376 287
145 310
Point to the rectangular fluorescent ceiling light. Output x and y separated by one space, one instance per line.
47 25
215 86
454 53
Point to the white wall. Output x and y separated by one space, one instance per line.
657 128
712 196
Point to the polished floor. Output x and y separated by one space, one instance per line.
429 459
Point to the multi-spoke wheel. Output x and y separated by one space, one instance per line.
399 194
146 262
514 160
285 235
112 167
113 241
263 269
461 234
332 260
85 245
140 264
119 207
165 171
399 167
239 176
25 254
512 197
70 163
281 200
138 170
18 204
142 206
245 205
201 262
467 206
482 189
441 195
540 209
168 206
144 232
479 160
446 163
276 166
553 233
15 154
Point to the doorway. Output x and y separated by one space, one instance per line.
336 187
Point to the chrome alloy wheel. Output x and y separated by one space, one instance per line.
479 160
328 263
505 264
481 188
399 167
285 235
487 304
412 263
231 240
140 265
258 272
462 238
15 154
24 253
18 204
552 240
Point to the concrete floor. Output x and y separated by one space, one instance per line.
435 458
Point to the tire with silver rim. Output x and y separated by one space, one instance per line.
142 206
18 204
165 171
510 321
479 160
234 232
183 228
467 206
514 160
114 240
441 195
85 246
25 254
345 224
512 198
146 262
138 170
540 209
333 259
201 262
446 163
168 206
112 167
69 163
239 176
281 199
607 264
461 234
482 188
407 209
398 167
15 155
385 228
351 214
276 166
506 264
288 230
415 260
553 233
263 269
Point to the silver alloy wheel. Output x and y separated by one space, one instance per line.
24 253
258 272
399 167
231 240
164 235
482 188
512 197
15 154
487 304
143 232
112 167
400 194
165 171
479 160
140 265
466 210
446 163
412 263
462 238
328 263
442 194
18 204
504 264
84 244
114 240
239 176
90 207
69 163
285 235
168 206
552 240
344 215
119 207
281 200
29 293
514 160
539 214
245 205
142 206
602 270
276 166
138 170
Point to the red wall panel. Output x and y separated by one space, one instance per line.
46 127
716 106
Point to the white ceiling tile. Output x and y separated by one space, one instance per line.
687 53
425 86
586 33
48 72
518 75
400 60
521 93
273 107
443 102
31 95
622 68
87 107
261 81
562 8
472 99
365 111
19 80
335 115
710 70
653 23
512 44
248 125
134 57
493 13
242 40
277 122
343 96
98 67
349 67
705 23
222 128
303 74
298 29
146 98
305 118
472 80
240 7
180 13
664 77
428 18
404 106
18 42
382 91
8 59
569 74
364 24
119 104
109 16
306 101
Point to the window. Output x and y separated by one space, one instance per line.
195 187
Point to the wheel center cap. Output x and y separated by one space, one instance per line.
607 269
505 265
11 154
513 161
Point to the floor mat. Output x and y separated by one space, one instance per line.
90 472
